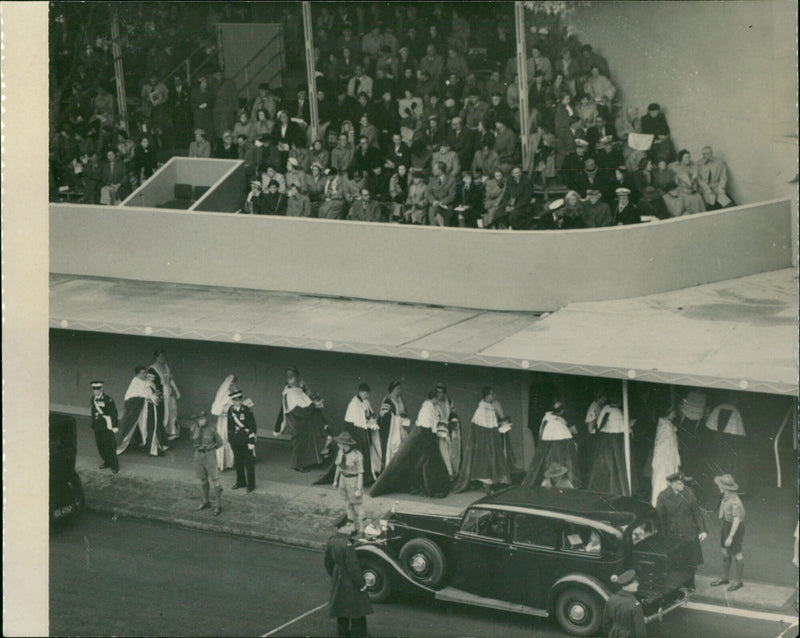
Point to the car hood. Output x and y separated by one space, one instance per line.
436 523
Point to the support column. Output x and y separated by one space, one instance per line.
528 443
626 420
310 70
119 76
522 81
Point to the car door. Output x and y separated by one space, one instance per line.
532 559
481 551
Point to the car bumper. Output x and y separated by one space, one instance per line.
658 610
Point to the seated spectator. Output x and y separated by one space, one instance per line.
674 201
360 83
384 84
625 211
474 112
254 202
365 158
569 68
448 157
407 84
342 155
416 207
619 178
319 155
590 177
420 156
608 155
227 149
468 203
398 191
688 179
300 109
506 146
434 108
269 174
377 182
367 129
404 62
543 164
555 219
441 194
265 101
453 89
663 176
144 160
425 84
316 187
298 203
365 209
333 204
573 209
596 213
200 147
115 181
432 135
539 63
456 64
599 86
244 126
573 164
519 196
387 119
539 95
472 86
589 59
600 130
266 153
399 152
587 111
651 204
301 154
655 123
275 201
713 175
126 148
92 179
486 158
432 64
285 134
263 125
628 121
643 178
295 175
494 197
494 85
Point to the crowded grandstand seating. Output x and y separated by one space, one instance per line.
419 119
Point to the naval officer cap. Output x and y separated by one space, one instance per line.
555 204
623 191
581 142
97 385
625 578
235 394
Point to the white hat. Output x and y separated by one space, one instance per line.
581 142
555 204
293 162
623 191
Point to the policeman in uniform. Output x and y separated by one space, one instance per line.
680 516
623 616
105 422
349 478
242 437
349 602
206 440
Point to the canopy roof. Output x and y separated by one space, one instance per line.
739 334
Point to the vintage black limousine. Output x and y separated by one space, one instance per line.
66 490
543 552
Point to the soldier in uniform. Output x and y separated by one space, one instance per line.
623 616
242 437
206 441
680 516
105 423
349 602
349 478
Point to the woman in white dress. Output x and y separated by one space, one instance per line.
666 459
220 409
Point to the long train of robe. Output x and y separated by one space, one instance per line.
561 451
306 426
609 473
487 455
132 424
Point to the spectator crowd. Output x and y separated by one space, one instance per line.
419 121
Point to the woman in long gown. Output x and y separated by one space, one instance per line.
220 409
418 466
666 458
171 394
448 431
304 422
556 445
393 422
609 473
133 422
360 422
488 457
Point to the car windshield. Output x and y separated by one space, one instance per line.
644 529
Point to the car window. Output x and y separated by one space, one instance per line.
535 530
579 538
487 523
643 530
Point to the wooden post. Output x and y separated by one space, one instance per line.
626 420
310 70
522 81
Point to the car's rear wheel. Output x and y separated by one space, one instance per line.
579 612
424 561
379 586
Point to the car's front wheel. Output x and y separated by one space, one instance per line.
376 576
579 612
424 561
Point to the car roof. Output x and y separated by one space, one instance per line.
596 506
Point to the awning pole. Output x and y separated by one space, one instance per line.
777 438
522 81
626 420
311 71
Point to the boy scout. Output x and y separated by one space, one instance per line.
206 440
105 423
349 478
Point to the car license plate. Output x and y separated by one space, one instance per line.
63 511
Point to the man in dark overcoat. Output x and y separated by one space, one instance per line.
680 516
349 602
623 616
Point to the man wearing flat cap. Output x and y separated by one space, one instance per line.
623 616
680 516
242 437
105 422
206 441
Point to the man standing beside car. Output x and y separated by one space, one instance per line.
105 422
349 602
680 516
623 616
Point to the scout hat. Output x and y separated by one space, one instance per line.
235 394
726 482
555 471
97 385
345 438
624 578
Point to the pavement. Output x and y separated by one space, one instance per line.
287 508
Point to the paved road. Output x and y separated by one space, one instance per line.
117 576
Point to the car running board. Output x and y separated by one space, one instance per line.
453 595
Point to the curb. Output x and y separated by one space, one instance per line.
230 530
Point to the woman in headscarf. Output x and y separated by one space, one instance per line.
488 457
220 410
556 446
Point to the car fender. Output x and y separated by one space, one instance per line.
582 580
388 560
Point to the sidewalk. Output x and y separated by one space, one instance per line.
287 508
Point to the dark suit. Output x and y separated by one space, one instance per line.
519 195
584 181
241 434
572 168
104 437
463 143
628 215
549 222
348 604
399 155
